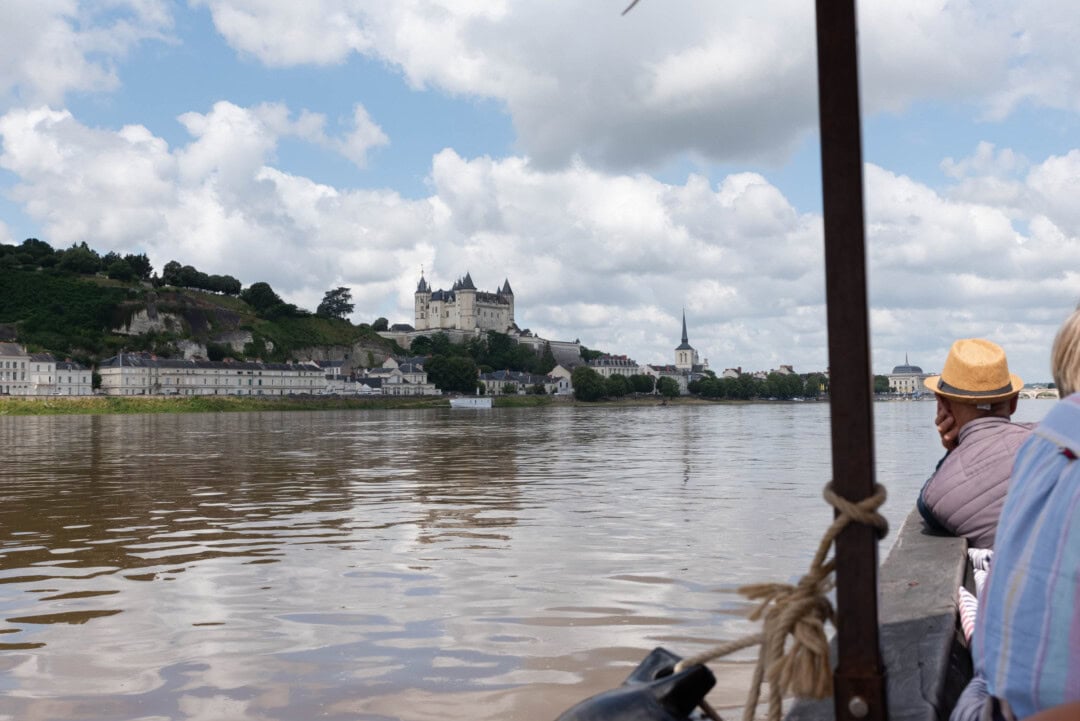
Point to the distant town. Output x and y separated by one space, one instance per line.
187 333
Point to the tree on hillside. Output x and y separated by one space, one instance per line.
170 274
38 249
547 360
881 384
259 296
336 303
380 325
140 264
80 259
588 355
421 344
119 269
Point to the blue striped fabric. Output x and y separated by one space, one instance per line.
1027 636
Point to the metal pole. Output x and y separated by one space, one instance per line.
859 689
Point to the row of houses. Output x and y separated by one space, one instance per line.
41 374
143 374
620 365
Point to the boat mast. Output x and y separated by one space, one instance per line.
859 689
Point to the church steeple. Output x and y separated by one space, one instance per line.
686 358
685 345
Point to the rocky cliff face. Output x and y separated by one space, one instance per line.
149 320
358 355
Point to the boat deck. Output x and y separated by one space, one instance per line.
927 661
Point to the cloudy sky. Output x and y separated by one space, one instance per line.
616 169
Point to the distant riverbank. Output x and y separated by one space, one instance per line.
107 405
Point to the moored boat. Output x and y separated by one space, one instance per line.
471 402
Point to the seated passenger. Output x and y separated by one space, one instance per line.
976 396
1027 635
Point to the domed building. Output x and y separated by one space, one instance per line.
907 379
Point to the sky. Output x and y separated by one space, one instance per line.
617 169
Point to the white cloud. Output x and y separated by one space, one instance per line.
364 136
715 81
49 48
608 258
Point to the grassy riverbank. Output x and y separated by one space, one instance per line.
97 405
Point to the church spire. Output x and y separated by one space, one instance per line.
685 345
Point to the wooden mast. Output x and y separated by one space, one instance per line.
859 689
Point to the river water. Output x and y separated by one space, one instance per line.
411 565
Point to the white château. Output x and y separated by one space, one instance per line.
463 307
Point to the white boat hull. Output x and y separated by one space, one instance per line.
477 402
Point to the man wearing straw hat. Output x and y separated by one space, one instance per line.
976 396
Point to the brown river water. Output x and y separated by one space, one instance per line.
410 565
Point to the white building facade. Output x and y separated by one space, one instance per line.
140 374
907 379
14 370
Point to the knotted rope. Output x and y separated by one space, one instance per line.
801 612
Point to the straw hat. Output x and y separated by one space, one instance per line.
975 372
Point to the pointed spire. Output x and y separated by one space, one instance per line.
685 345
506 288
467 283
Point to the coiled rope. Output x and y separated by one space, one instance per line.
799 611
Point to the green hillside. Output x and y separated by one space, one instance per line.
76 303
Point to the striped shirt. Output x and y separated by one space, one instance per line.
1027 637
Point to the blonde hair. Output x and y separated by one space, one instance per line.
1065 358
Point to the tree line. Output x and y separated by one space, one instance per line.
455 367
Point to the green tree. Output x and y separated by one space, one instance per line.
509 389
537 389
140 264
750 387
421 345
588 384
588 355
616 386
881 384
37 249
452 373
259 296
667 387
170 274
707 387
642 383
120 270
547 360
336 303
814 386
80 259
380 324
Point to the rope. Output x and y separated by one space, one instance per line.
801 612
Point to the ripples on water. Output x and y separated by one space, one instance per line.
404 564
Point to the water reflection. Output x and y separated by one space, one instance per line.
412 565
